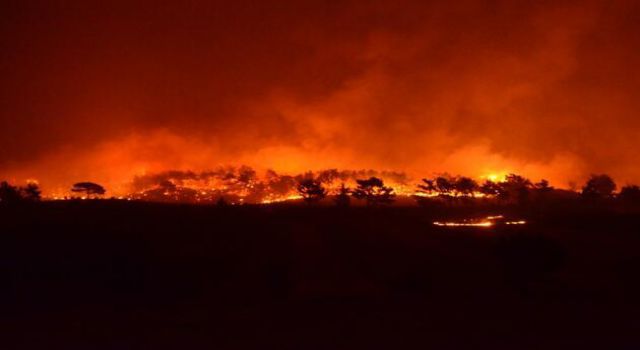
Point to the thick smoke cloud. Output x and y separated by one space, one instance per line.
108 91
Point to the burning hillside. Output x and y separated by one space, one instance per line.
244 184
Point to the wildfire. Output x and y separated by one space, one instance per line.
489 221
243 185
470 224
495 177
281 199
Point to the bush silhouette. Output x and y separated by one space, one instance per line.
311 190
9 195
465 186
599 187
12 195
374 192
31 192
630 195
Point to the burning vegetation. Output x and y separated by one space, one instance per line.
244 185
489 221
238 185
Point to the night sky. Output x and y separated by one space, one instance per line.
101 91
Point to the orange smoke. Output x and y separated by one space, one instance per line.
107 93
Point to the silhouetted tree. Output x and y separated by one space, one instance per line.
444 185
465 186
342 198
31 192
598 187
630 194
374 192
515 189
542 186
543 192
427 187
311 190
9 195
89 188
490 188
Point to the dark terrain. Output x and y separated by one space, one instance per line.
126 275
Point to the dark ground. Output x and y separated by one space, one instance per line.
118 275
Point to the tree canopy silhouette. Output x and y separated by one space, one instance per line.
31 192
465 186
630 194
9 195
427 187
490 188
599 187
444 185
374 192
515 188
311 190
542 186
12 195
89 188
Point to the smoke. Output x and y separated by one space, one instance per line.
114 92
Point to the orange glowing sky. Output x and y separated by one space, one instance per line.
106 91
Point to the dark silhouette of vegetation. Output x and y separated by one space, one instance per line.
630 195
465 186
514 189
9 195
280 257
90 189
599 187
13 195
374 192
427 187
445 185
490 188
311 190
343 198
31 192
542 186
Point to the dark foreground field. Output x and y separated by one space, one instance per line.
110 275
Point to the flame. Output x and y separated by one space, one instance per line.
470 224
520 222
489 221
496 177
276 199
239 185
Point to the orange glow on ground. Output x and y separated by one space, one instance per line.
489 221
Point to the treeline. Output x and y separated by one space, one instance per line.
13 195
241 185
514 189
